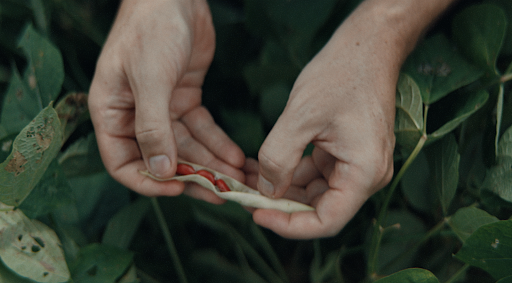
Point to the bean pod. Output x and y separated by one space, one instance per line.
230 189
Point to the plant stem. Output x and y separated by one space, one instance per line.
456 276
168 240
506 77
499 117
377 230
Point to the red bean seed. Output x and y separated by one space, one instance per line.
185 169
223 187
207 175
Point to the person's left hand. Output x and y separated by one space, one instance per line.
145 98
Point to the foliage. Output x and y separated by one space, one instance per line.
63 219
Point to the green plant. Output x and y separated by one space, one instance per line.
445 217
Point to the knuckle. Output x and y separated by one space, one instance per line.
269 162
149 135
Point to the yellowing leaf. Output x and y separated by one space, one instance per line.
30 248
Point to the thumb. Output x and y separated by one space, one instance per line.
153 129
280 154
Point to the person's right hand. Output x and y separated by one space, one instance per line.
343 102
145 98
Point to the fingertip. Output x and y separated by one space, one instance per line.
266 187
159 165
278 157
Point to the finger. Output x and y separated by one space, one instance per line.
305 172
280 154
251 166
152 92
204 129
191 150
123 162
333 211
323 161
251 169
198 192
308 194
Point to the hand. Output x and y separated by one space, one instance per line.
145 98
343 102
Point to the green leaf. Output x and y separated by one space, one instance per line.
3 132
37 7
499 178
223 227
403 230
30 248
294 23
480 31
444 160
260 76
468 219
100 263
50 193
33 151
41 82
45 72
246 130
505 144
210 264
467 107
507 279
319 272
438 68
411 275
82 158
409 113
506 5
490 248
273 100
19 105
415 185
6 146
121 228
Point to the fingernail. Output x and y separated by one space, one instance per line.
265 187
159 165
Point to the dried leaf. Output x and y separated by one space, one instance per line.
30 248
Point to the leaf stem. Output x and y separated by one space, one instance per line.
378 230
168 240
499 117
456 276
506 77
425 112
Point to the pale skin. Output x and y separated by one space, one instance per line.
145 103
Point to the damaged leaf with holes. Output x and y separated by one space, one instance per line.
30 248
32 152
490 248
438 69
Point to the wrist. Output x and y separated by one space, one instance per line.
390 28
